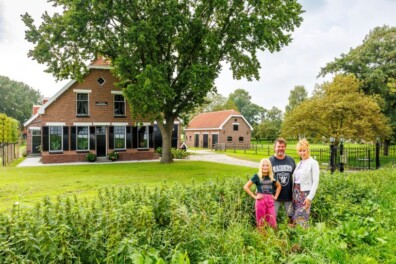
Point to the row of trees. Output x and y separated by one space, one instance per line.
358 104
17 99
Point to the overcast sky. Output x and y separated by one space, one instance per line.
330 27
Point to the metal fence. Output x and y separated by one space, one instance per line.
350 158
355 158
8 153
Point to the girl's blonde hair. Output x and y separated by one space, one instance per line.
303 144
270 172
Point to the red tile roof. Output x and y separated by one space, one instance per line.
100 62
211 119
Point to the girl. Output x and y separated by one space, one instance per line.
265 182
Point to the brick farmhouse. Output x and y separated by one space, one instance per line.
226 128
91 116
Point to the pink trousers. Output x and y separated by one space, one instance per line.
265 211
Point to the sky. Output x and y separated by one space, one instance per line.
330 28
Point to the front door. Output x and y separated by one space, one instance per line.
215 139
205 141
101 141
196 140
36 141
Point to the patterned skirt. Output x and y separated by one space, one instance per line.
299 214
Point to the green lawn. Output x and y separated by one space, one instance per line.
27 185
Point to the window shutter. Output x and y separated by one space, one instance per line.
73 138
128 137
45 140
111 137
92 138
151 137
134 137
65 138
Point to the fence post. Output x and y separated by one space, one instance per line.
332 157
377 155
256 149
342 156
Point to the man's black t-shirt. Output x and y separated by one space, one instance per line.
283 171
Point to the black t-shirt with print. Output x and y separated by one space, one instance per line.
264 186
283 171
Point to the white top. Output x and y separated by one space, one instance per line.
299 171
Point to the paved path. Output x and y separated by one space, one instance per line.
213 156
199 155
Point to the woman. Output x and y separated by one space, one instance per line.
265 182
306 180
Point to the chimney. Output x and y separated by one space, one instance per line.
45 99
35 109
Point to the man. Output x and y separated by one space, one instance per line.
283 167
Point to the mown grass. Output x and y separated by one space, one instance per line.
27 185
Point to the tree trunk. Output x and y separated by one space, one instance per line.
166 133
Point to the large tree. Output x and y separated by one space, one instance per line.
339 111
374 63
166 53
296 97
17 99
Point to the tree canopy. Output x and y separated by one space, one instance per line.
297 95
270 126
17 99
374 64
341 110
251 111
166 53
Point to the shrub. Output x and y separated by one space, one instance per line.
91 157
113 156
159 150
180 154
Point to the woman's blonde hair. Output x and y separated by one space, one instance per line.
270 172
303 144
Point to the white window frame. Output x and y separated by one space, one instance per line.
88 138
147 132
124 128
82 92
114 102
49 139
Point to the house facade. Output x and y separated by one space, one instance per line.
92 116
227 128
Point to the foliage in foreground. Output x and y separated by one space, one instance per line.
352 222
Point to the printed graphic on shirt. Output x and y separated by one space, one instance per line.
267 186
283 178
286 168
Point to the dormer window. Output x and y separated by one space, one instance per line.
101 81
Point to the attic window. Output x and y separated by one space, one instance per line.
101 81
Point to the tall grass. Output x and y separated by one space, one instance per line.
353 221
